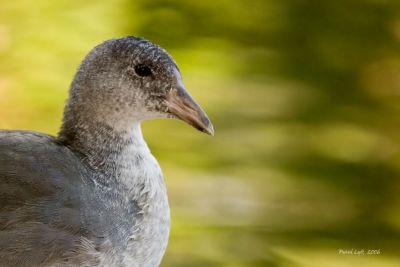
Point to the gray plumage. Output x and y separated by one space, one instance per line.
94 195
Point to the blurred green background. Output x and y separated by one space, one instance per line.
304 97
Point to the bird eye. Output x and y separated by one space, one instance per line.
143 70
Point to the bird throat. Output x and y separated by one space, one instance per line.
105 150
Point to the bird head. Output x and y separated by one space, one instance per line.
131 78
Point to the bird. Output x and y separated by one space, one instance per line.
94 195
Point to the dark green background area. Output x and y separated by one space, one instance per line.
304 97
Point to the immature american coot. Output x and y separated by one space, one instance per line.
94 195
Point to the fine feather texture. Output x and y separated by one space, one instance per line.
55 212
94 195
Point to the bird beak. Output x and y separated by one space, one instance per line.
183 106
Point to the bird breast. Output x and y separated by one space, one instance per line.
147 238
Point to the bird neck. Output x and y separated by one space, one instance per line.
104 148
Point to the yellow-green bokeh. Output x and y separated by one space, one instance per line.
304 97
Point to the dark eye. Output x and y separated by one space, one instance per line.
142 70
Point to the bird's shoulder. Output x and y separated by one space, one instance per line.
33 165
40 201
